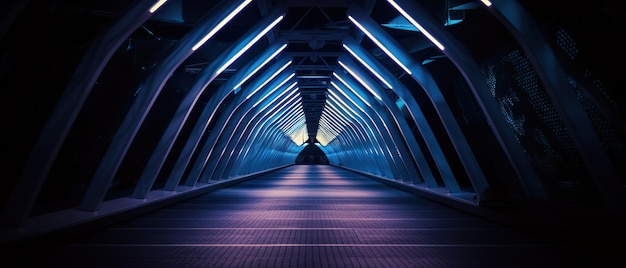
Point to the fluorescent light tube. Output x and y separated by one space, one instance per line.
379 44
368 66
357 77
260 66
269 79
221 24
349 87
276 88
157 5
249 44
417 25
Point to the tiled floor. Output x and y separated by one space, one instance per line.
308 216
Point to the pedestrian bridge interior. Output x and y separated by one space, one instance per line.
324 118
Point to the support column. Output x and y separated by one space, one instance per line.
422 76
37 166
577 122
140 108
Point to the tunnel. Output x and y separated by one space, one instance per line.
327 133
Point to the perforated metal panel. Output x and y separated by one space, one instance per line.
605 100
538 128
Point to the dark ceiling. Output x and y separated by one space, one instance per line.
43 42
314 29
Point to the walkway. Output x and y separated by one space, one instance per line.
307 216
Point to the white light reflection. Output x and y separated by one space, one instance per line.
380 45
276 88
249 44
268 80
368 66
358 78
157 5
221 24
417 25
349 87
260 66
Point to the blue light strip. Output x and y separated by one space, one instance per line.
362 133
380 45
325 135
283 116
349 87
287 113
375 73
336 122
357 106
268 80
274 109
417 25
297 125
276 88
268 111
340 117
221 24
157 5
362 110
293 120
247 46
336 99
336 125
327 122
358 78
288 120
283 101
272 56
333 125
348 97
329 131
